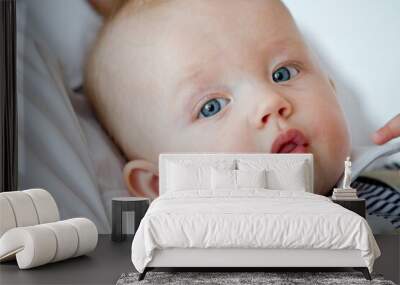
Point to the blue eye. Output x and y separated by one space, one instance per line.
212 107
284 73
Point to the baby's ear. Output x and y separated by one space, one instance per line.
141 178
107 8
332 83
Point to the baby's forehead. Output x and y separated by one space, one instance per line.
214 28
174 43
234 16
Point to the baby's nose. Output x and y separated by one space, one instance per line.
272 106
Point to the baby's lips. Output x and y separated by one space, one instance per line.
291 141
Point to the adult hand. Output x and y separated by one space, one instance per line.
389 131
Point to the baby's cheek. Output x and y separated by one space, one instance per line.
333 133
327 131
212 136
234 137
327 122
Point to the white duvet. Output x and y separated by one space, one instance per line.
250 219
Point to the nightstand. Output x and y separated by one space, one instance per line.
355 205
137 205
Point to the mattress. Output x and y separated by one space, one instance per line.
251 218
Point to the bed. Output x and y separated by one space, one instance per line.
280 223
64 149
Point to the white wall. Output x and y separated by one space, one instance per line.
359 42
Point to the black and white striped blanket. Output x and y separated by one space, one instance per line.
381 199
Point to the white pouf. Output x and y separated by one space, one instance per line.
37 245
31 233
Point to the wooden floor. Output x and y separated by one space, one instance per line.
110 260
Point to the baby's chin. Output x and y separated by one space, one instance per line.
323 186
328 161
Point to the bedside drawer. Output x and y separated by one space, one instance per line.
357 206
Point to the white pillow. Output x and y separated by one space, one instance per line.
235 179
251 178
193 174
68 28
62 147
185 177
287 174
223 179
293 179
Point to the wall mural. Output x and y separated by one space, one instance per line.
99 100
